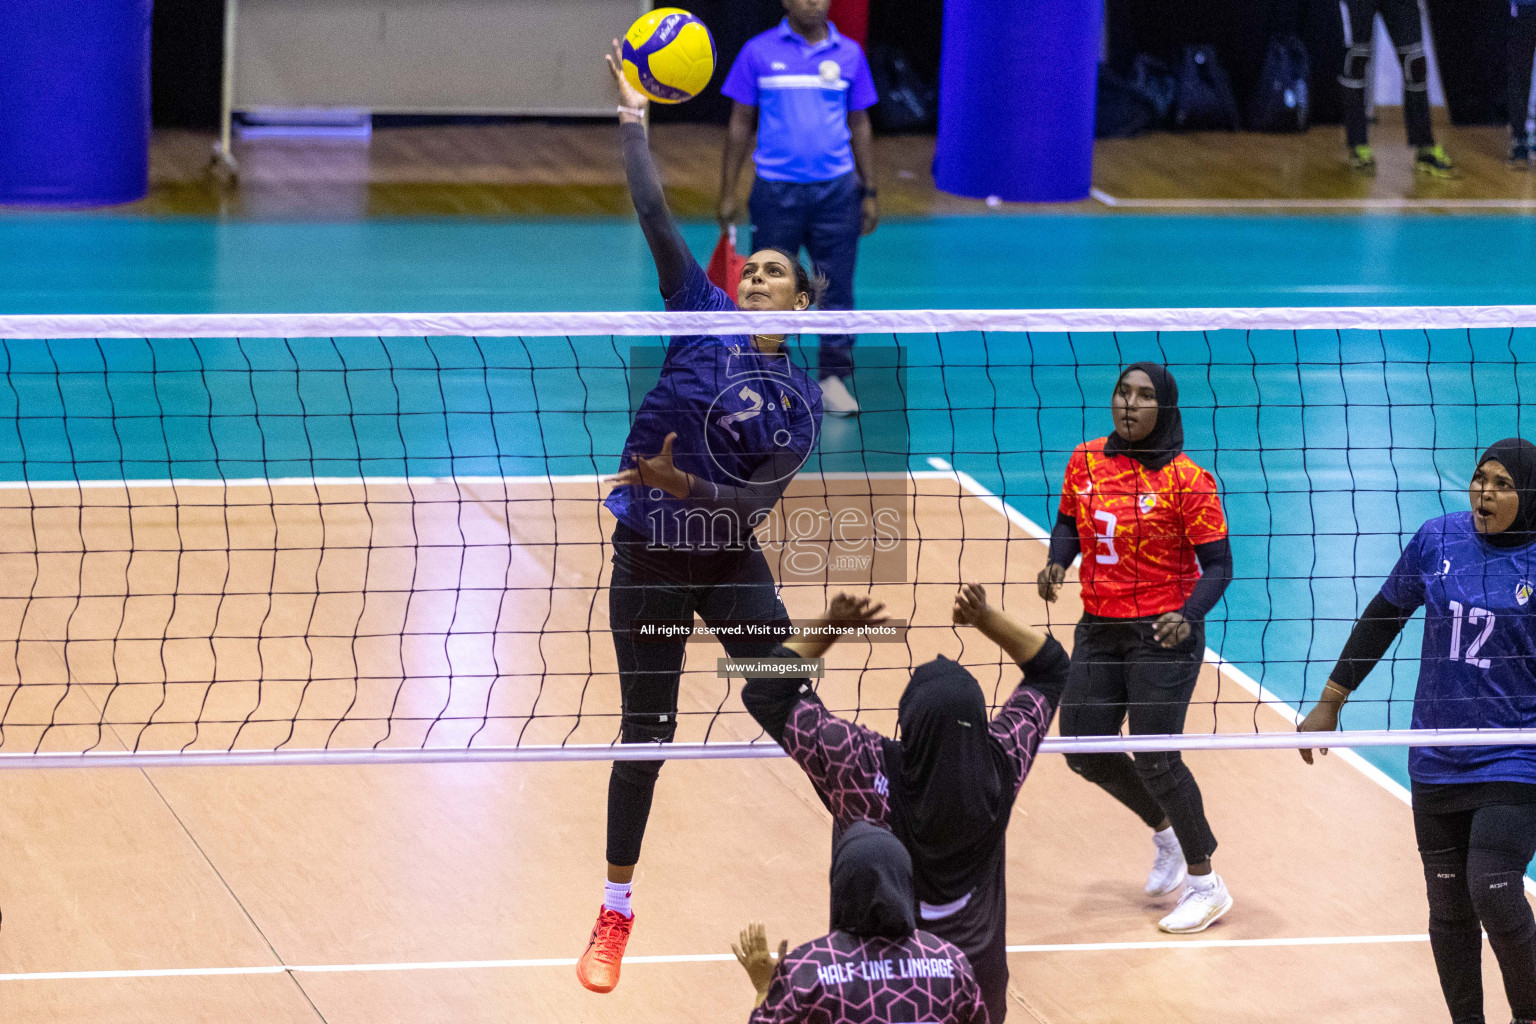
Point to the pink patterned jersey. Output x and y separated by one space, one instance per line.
845 763
843 979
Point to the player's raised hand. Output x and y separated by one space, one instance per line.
752 953
629 96
970 605
1049 581
848 610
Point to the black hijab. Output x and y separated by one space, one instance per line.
1166 441
951 784
872 884
1518 457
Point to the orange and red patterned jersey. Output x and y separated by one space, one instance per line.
1139 528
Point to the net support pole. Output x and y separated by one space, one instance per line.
1017 86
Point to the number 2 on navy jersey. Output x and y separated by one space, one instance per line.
1473 617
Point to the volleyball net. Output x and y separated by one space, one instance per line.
373 538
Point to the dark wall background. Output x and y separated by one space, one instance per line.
1469 43
186 63
1240 32
1469 37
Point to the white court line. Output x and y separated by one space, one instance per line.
680 958
1381 203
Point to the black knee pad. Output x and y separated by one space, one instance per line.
648 728
1160 770
1497 885
1445 881
1096 768
1356 60
1415 67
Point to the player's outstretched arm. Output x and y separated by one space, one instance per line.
845 613
668 249
1018 641
1374 632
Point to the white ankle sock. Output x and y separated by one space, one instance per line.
1165 839
616 897
1209 881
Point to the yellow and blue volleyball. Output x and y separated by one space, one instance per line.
669 55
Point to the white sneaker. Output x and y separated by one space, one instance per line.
1168 868
1205 899
836 399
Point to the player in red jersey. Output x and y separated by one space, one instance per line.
1155 559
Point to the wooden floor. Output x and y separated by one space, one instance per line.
535 168
373 895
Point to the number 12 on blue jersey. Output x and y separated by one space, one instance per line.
1473 618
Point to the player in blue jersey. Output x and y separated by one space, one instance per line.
710 451
1474 808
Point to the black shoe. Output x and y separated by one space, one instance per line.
1433 161
1362 159
1520 146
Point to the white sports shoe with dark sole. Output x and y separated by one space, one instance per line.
1199 908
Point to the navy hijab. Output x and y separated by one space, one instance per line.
1518 457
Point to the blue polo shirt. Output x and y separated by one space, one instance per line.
803 94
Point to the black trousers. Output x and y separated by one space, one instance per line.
667 586
1121 675
1520 48
1474 868
1407 34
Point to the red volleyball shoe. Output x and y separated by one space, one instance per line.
598 968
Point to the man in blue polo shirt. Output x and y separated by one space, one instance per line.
806 90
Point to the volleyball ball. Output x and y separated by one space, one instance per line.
669 55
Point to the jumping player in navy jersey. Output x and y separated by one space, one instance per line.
875 966
711 449
1474 808
947 787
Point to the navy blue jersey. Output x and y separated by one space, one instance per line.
1477 669
736 412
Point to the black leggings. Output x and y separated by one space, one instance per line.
1474 873
1520 48
1407 35
1120 672
665 586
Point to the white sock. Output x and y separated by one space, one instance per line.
1165 839
616 897
1209 881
